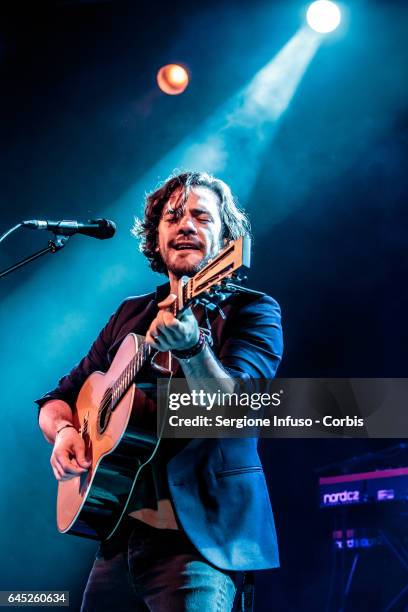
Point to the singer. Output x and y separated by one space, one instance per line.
211 519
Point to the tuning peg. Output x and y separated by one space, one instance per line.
221 312
222 296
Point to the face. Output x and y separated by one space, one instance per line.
187 240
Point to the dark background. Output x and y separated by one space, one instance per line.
83 121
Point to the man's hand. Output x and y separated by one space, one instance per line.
68 455
167 333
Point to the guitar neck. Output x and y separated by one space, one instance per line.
128 375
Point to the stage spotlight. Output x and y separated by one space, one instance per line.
323 16
172 79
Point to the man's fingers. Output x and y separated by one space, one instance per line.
67 466
75 462
69 476
186 314
59 473
167 323
151 340
79 456
71 470
164 320
168 319
165 333
158 342
56 471
170 299
156 335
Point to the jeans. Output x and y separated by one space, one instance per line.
143 568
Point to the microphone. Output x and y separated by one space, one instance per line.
95 228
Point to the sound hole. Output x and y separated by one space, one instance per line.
105 411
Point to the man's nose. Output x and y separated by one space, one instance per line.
187 226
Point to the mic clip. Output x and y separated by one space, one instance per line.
59 241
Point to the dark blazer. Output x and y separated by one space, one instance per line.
217 486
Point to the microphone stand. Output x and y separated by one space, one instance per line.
53 246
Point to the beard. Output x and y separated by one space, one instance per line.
187 268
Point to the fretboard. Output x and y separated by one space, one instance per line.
126 378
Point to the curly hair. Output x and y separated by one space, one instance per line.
235 222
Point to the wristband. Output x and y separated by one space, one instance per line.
68 425
194 350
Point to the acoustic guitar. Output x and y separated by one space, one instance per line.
117 443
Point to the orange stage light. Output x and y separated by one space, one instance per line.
172 79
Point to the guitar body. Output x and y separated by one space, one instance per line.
92 504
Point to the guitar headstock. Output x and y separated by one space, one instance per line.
209 283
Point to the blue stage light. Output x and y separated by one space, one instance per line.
323 16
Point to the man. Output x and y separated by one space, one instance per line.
212 517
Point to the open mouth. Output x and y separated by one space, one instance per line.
184 246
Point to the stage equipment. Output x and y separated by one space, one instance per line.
323 16
364 487
62 230
96 228
367 512
172 79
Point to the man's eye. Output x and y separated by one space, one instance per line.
204 219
